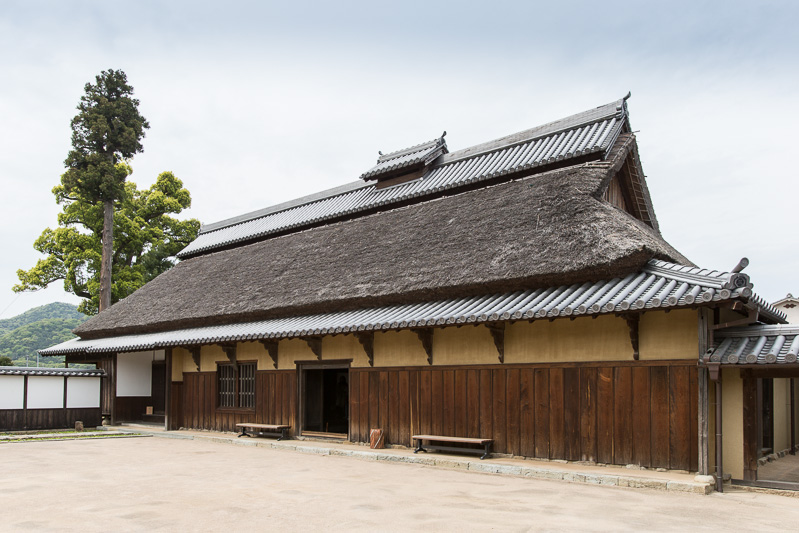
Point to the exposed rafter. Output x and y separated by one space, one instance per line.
426 336
367 340
271 347
497 331
315 344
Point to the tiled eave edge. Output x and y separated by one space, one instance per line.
637 292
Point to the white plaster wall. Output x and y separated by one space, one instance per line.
160 355
83 392
45 392
135 374
12 392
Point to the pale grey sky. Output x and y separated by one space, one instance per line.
254 103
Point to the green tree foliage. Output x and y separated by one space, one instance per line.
147 240
107 131
6 361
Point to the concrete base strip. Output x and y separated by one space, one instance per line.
484 466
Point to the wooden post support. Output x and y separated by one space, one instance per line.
271 347
426 336
793 417
168 391
315 344
367 340
195 355
498 334
230 351
632 325
751 417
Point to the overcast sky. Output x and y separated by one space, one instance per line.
254 103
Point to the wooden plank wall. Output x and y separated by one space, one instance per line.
19 419
622 414
129 408
275 399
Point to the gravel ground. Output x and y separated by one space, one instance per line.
155 484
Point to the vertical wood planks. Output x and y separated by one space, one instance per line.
355 406
679 418
659 405
406 394
527 412
541 378
604 415
425 402
394 400
642 438
498 407
588 409
486 406
556 436
513 408
384 422
460 404
473 403
622 416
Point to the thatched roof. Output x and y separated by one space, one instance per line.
547 229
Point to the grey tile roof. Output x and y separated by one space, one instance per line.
590 132
41 371
658 285
777 344
419 155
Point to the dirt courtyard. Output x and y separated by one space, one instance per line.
158 484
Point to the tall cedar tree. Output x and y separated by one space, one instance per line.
107 130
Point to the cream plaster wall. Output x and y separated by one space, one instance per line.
344 347
255 351
467 345
605 338
673 335
291 350
732 422
178 357
210 355
399 348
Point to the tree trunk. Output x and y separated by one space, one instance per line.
108 248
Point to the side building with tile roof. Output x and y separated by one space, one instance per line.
518 290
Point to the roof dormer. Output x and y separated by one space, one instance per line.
405 165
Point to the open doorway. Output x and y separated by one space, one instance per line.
324 400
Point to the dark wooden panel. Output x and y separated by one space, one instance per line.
499 410
571 414
405 407
659 402
473 403
355 406
176 406
384 422
527 412
556 436
448 400
461 429
541 377
622 416
364 388
512 410
486 405
693 413
604 415
642 439
588 414
437 411
679 419
394 400
131 408
425 401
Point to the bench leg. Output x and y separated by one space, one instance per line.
487 451
243 432
282 434
419 447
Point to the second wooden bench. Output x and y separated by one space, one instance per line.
263 430
448 444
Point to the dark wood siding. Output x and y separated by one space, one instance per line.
19 419
642 413
275 401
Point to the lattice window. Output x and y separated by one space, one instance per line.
237 386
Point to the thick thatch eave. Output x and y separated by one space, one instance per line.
546 229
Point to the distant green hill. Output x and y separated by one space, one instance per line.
38 328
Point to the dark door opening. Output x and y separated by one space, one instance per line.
325 401
159 387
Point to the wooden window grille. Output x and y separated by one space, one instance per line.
237 388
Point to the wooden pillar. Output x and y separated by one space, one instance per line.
751 418
168 391
703 406
793 417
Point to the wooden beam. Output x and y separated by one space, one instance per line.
367 340
498 334
751 318
750 420
315 344
271 347
230 351
632 326
426 336
195 355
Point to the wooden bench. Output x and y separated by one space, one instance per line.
450 444
263 430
